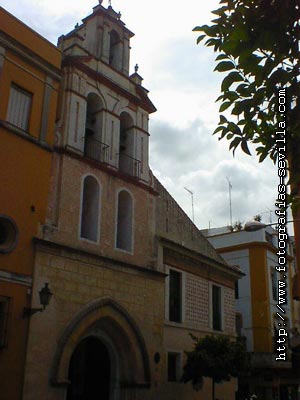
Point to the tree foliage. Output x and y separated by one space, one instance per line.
257 42
215 357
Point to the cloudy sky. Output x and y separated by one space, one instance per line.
183 87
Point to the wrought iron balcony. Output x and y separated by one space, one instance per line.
96 150
129 165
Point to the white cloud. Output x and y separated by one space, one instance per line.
195 159
183 86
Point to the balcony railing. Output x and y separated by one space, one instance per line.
129 165
96 150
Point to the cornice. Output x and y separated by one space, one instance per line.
141 99
24 135
29 56
252 245
106 168
83 255
195 260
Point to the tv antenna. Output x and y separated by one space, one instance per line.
192 196
230 205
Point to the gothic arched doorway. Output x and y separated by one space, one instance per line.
90 371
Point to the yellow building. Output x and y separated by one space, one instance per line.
29 80
266 309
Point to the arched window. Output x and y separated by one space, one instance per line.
90 209
124 221
115 51
127 163
93 146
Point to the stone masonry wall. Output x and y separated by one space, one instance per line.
75 281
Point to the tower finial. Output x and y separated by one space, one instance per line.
136 68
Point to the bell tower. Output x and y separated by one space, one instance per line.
105 110
102 196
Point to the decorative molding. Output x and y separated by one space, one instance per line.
140 98
195 261
29 56
106 168
82 255
24 135
13 277
73 326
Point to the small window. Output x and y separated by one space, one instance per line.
127 163
175 296
174 367
124 221
238 324
19 107
4 312
236 290
90 209
274 285
8 234
115 50
216 308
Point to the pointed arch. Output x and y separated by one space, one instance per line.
113 321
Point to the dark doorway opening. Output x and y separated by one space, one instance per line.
90 371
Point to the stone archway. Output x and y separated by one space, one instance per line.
109 323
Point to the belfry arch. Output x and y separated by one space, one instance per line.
109 323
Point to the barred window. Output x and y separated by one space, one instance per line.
216 308
175 296
19 107
4 312
174 367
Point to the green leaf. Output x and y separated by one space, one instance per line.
223 119
201 37
244 146
224 66
219 98
239 33
231 95
198 29
224 106
220 11
218 129
235 142
243 90
222 57
230 79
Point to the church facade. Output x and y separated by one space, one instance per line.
130 275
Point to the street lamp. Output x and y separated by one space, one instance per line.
253 226
45 296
